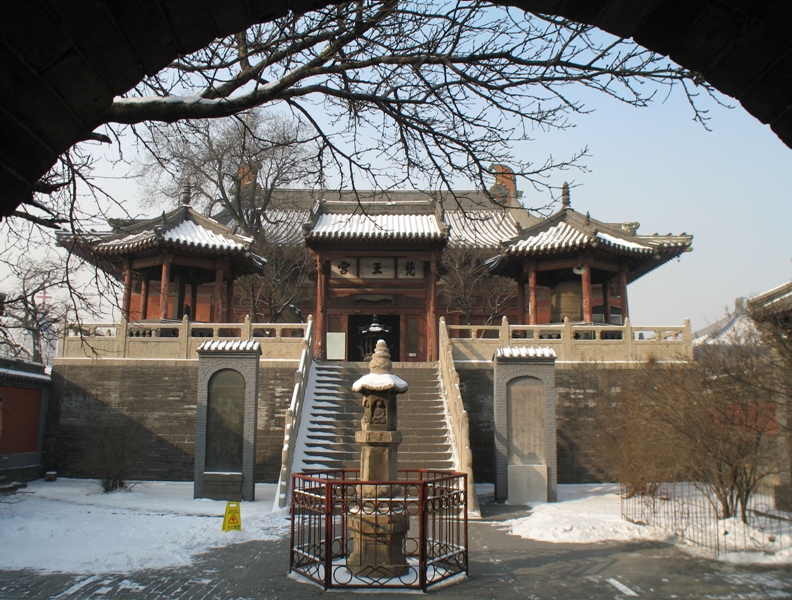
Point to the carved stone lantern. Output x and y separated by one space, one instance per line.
378 533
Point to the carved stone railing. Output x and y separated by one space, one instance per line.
291 422
176 339
459 420
575 342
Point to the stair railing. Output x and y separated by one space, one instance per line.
291 421
459 420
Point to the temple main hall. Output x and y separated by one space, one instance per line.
492 312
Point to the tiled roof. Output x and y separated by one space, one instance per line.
485 228
284 226
187 233
777 299
525 352
564 236
377 226
735 328
24 377
567 230
229 346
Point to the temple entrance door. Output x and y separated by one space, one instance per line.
362 336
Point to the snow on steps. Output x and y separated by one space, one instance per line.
332 413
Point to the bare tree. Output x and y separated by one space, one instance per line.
468 288
233 165
703 421
33 310
397 94
404 93
282 284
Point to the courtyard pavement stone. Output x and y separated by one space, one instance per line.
501 566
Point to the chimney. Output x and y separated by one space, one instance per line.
505 188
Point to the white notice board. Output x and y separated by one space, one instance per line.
336 346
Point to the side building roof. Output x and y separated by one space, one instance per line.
181 229
568 233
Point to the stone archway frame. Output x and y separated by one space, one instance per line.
514 363
243 358
64 62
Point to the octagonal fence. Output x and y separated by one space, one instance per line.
432 503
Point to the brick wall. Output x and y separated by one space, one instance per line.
576 411
576 406
476 388
152 404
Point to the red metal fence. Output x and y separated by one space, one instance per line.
431 504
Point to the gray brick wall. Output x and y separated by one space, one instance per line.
476 387
154 403
576 408
576 430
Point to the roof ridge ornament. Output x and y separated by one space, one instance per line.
186 195
565 203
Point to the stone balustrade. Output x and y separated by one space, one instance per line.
176 339
575 342
293 417
459 420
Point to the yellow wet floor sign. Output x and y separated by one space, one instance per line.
233 517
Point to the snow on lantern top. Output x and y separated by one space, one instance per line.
380 378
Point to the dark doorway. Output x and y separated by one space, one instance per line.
361 339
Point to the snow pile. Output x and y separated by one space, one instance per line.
591 513
71 526
584 514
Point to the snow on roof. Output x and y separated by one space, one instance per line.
563 236
734 328
480 228
229 346
182 226
525 352
192 234
381 226
557 237
618 242
773 299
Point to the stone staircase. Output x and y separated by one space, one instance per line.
332 415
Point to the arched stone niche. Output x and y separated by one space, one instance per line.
525 425
225 420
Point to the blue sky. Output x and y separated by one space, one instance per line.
730 187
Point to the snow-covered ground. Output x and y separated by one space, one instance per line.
584 514
71 526
591 513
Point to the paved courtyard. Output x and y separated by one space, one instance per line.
501 566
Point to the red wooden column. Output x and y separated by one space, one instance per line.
431 310
165 286
193 300
625 308
533 317
217 317
588 316
521 300
229 314
127 306
320 322
144 296
606 301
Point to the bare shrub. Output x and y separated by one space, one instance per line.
108 451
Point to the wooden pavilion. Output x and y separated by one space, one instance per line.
159 259
585 262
